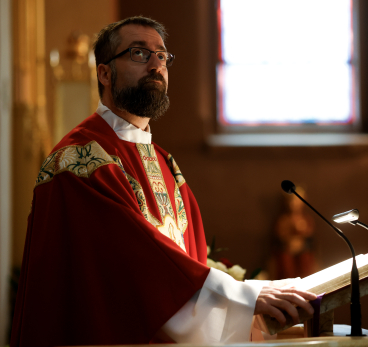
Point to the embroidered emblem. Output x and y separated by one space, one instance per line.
80 160
179 178
169 227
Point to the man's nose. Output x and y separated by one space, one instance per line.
154 63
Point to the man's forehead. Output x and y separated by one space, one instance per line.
137 33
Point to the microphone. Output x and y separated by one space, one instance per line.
351 217
355 309
346 217
288 186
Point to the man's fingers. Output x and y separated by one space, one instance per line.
285 305
276 313
273 301
305 295
297 300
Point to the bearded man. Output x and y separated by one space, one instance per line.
115 250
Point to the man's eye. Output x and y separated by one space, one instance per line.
138 53
161 56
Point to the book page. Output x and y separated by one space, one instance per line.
329 274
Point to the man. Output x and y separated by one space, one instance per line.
115 250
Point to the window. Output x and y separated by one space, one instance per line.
286 63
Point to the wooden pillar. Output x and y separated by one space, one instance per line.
31 139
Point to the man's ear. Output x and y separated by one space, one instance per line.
104 74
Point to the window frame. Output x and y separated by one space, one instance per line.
354 126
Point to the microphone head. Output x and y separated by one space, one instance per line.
288 186
346 217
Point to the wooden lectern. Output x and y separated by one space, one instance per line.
337 293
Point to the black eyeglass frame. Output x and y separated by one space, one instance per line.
141 62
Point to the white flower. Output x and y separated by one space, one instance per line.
237 272
211 263
221 266
208 250
216 265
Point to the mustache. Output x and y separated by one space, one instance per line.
153 77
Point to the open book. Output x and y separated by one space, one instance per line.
333 281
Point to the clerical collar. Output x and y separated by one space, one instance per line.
123 129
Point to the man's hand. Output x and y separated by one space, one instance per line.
272 300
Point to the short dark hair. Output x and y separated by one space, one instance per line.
108 40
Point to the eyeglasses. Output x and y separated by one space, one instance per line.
142 55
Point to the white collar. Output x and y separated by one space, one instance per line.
123 129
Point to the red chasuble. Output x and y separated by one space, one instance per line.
115 243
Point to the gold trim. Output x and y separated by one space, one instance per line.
156 180
179 178
82 161
141 200
180 210
172 227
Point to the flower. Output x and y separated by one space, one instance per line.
221 266
211 263
216 265
227 262
237 272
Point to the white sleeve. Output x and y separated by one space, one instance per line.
220 312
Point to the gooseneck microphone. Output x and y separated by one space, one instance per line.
355 309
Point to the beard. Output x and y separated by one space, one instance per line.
147 100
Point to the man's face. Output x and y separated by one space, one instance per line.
140 88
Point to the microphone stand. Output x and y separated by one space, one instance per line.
355 309
356 222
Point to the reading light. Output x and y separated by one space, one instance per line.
346 217
349 217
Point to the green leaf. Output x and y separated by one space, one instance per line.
213 243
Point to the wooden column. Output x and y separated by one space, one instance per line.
31 139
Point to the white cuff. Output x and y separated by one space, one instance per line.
222 311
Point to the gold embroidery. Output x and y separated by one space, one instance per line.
180 210
84 160
117 161
179 178
156 180
141 199
80 160
169 227
139 194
